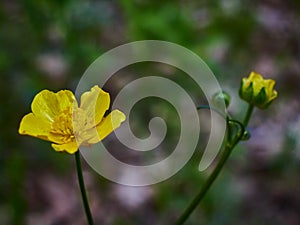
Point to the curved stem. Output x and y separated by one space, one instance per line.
82 189
229 146
211 108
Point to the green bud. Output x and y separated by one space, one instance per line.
222 97
246 136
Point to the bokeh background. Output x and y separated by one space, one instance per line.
48 44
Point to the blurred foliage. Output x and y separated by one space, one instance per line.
48 45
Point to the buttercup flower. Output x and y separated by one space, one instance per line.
258 91
56 117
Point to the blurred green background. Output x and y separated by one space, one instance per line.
48 44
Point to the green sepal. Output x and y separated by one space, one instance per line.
261 98
246 93
266 105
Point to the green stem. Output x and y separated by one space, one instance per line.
225 155
82 189
248 115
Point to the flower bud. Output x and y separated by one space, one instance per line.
257 91
245 136
222 97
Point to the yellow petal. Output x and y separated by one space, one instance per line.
252 76
255 77
47 104
35 127
70 147
273 96
95 103
66 99
107 125
269 84
245 84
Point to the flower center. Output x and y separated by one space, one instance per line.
62 125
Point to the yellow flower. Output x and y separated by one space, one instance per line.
56 117
258 91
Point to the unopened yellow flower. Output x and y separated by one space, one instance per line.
258 91
56 117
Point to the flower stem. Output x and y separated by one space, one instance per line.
248 115
206 186
82 189
229 146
